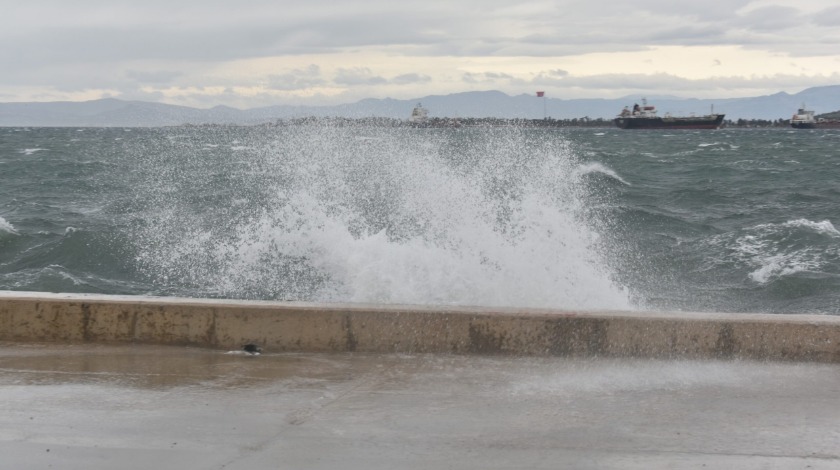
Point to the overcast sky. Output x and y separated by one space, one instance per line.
249 53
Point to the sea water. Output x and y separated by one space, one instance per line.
734 220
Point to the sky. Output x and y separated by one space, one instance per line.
252 53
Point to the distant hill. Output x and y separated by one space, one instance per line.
832 116
479 104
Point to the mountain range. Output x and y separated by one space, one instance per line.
479 104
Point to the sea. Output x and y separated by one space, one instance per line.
732 220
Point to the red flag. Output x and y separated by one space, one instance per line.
540 94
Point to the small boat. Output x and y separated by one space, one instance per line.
805 119
645 117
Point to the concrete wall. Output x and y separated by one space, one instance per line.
286 326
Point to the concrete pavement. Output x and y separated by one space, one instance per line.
94 406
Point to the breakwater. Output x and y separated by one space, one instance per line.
313 327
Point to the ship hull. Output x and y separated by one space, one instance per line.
816 125
714 121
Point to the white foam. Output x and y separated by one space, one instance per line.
7 227
777 266
469 264
778 250
31 151
393 220
824 227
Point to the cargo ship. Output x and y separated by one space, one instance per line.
805 119
645 117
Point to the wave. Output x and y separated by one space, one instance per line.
466 218
824 227
57 278
7 227
598 168
778 266
717 146
770 252
501 217
777 257
52 278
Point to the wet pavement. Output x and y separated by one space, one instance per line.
139 407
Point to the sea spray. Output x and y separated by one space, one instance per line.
491 216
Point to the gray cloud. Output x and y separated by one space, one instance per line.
358 76
364 76
153 76
297 79
829 17
775 19
690 35
487 77
209 31
121 45
410 78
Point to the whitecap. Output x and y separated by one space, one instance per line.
781 265
5 226
31 151
596 167
824 227
776 250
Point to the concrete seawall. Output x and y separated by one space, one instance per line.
306 327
